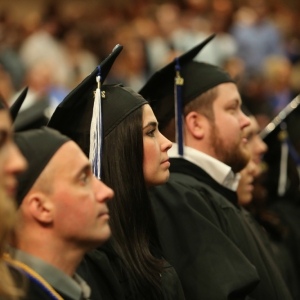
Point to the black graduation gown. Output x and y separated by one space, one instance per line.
288 255
289 212
212 243
97 271
102 270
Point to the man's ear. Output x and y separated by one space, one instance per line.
40 207
195 124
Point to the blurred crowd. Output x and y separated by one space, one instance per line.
51 51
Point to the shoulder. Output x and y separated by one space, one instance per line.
101 269
177 186
32 288
188 189
35 292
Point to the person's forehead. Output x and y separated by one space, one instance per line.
227 92
68 158
148 114
69 151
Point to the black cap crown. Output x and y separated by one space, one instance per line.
73 116
198 78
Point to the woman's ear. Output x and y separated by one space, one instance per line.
40 207
195 124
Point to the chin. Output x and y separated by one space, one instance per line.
166 178
104 235
158 180
245 199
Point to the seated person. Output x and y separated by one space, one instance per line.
62 215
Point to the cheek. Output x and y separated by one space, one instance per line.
3 160
75 211
245 176
151 161
1 172
70 201
242 181
151 153
257 170
227 127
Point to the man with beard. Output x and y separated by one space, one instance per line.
217 249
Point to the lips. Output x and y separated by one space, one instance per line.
244 140
104 213
249 183
11 188
166 160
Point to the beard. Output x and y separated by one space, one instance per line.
234 155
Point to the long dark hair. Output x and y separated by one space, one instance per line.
132 220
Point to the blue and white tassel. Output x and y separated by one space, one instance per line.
283 176
178 107
96 131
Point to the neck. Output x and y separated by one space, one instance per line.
205 148
59 254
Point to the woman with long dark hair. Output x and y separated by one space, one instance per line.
134 158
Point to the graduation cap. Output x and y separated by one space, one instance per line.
77 115
33 117
283 157
194 78
14 109
37 146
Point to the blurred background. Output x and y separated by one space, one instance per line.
51 46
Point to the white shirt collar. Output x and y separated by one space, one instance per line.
219 171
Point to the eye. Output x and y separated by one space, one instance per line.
84 178
233 107
3 137
151 132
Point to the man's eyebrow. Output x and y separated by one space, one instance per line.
153 123
84 169
237 100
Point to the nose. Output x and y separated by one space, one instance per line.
251 167
165 143
102 191
16 162
262 146
259 148
244 120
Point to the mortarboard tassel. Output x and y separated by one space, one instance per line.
96 134
282 182
178 107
